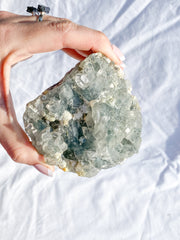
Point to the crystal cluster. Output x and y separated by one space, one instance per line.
88 121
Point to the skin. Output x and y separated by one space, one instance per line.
23 36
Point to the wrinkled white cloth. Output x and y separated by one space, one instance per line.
138 200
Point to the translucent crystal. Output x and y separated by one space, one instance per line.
88 121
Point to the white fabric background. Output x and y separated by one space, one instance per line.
138 200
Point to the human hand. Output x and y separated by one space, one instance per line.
20 38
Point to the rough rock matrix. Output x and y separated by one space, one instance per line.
88 121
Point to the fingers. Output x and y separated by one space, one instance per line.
56 33
30 37
12 136
77 54
17 144
74 53
118 52
84 53
85 39
45 36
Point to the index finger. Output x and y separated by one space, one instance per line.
45 36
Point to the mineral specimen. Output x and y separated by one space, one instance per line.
88 121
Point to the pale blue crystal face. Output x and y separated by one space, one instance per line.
88 121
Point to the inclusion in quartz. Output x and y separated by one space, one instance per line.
88 121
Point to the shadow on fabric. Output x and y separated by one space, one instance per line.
173 142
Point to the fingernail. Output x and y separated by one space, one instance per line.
118 53
44 170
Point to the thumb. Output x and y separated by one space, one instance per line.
18 146
12 136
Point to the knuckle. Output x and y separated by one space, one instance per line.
3 14
101 37
64 25
18 155
3 36
3 29
6 30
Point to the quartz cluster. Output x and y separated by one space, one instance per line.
88 121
